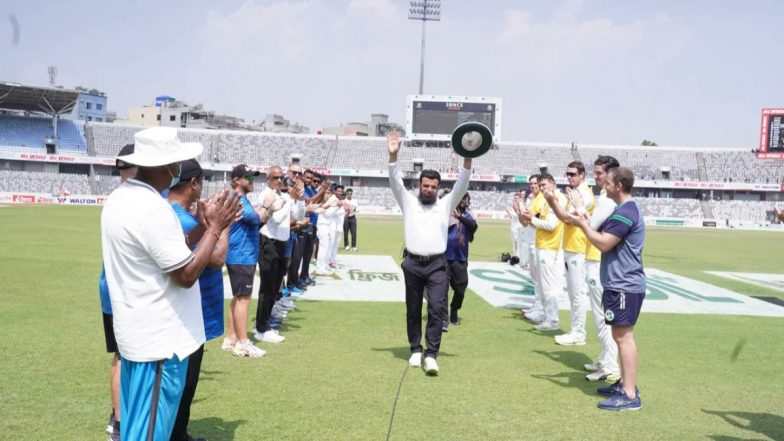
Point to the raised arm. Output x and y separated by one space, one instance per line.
461 186
395 177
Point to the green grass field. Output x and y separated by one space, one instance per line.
337 374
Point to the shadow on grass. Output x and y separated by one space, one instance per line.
214 429
570 359
404 352
572 380
767 424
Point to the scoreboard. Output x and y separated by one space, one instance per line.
771 134
432 117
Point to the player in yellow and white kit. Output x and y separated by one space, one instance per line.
574 246
533 204
606 366
549 258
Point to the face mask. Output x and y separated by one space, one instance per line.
175 179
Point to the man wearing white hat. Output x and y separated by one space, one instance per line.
151 273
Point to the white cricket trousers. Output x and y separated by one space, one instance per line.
325 242
551 273
608 355
577 287
533 268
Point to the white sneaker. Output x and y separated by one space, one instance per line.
248 349
354 249
287 304
603 375
535 317
227 345
348 248
415 359
431 367
592 367
279 313
270 336
569 340
547 326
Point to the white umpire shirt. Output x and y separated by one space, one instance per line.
278 226
425 226
154 317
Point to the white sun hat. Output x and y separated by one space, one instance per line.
158 146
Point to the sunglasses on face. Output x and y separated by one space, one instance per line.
276 178
316 182
250 178
570 174
296 173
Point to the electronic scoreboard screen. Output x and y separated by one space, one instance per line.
436 117
772 134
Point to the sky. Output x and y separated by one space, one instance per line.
680 73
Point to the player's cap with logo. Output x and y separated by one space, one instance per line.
192 169
243 171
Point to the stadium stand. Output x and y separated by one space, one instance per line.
746 211
743 166
670 207
524 159
30 133
41 182
272 149
648 163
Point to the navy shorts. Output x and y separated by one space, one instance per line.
621 308
241 279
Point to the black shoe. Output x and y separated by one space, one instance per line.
445 326
453 317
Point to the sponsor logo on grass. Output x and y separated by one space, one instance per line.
505 286
772 281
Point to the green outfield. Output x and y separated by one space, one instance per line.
337 374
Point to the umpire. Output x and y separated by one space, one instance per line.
425 223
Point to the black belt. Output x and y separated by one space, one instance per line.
273 240
419 258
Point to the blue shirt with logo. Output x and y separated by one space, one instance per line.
244 237
621 267
457 238
309 193
210 283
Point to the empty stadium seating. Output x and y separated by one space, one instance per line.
743 166
648 163
30 133
40 182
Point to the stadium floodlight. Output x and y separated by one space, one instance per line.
424 10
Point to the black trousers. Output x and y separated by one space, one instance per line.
272 266
296 259
350 226
307 251
425 279
458 280
180 431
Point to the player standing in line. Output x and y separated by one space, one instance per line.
574 246
533 203
606 365
549 238
620 239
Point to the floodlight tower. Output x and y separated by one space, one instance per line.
425 10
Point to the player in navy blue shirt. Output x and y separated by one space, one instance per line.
621 239
315 189
462 227
182 197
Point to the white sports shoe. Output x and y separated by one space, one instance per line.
270 336
354 249
227 345
348 248
287 304
569 340
415 359
603 375
592 367
547 326
248 349
431 367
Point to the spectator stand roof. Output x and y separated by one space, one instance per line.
48 100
